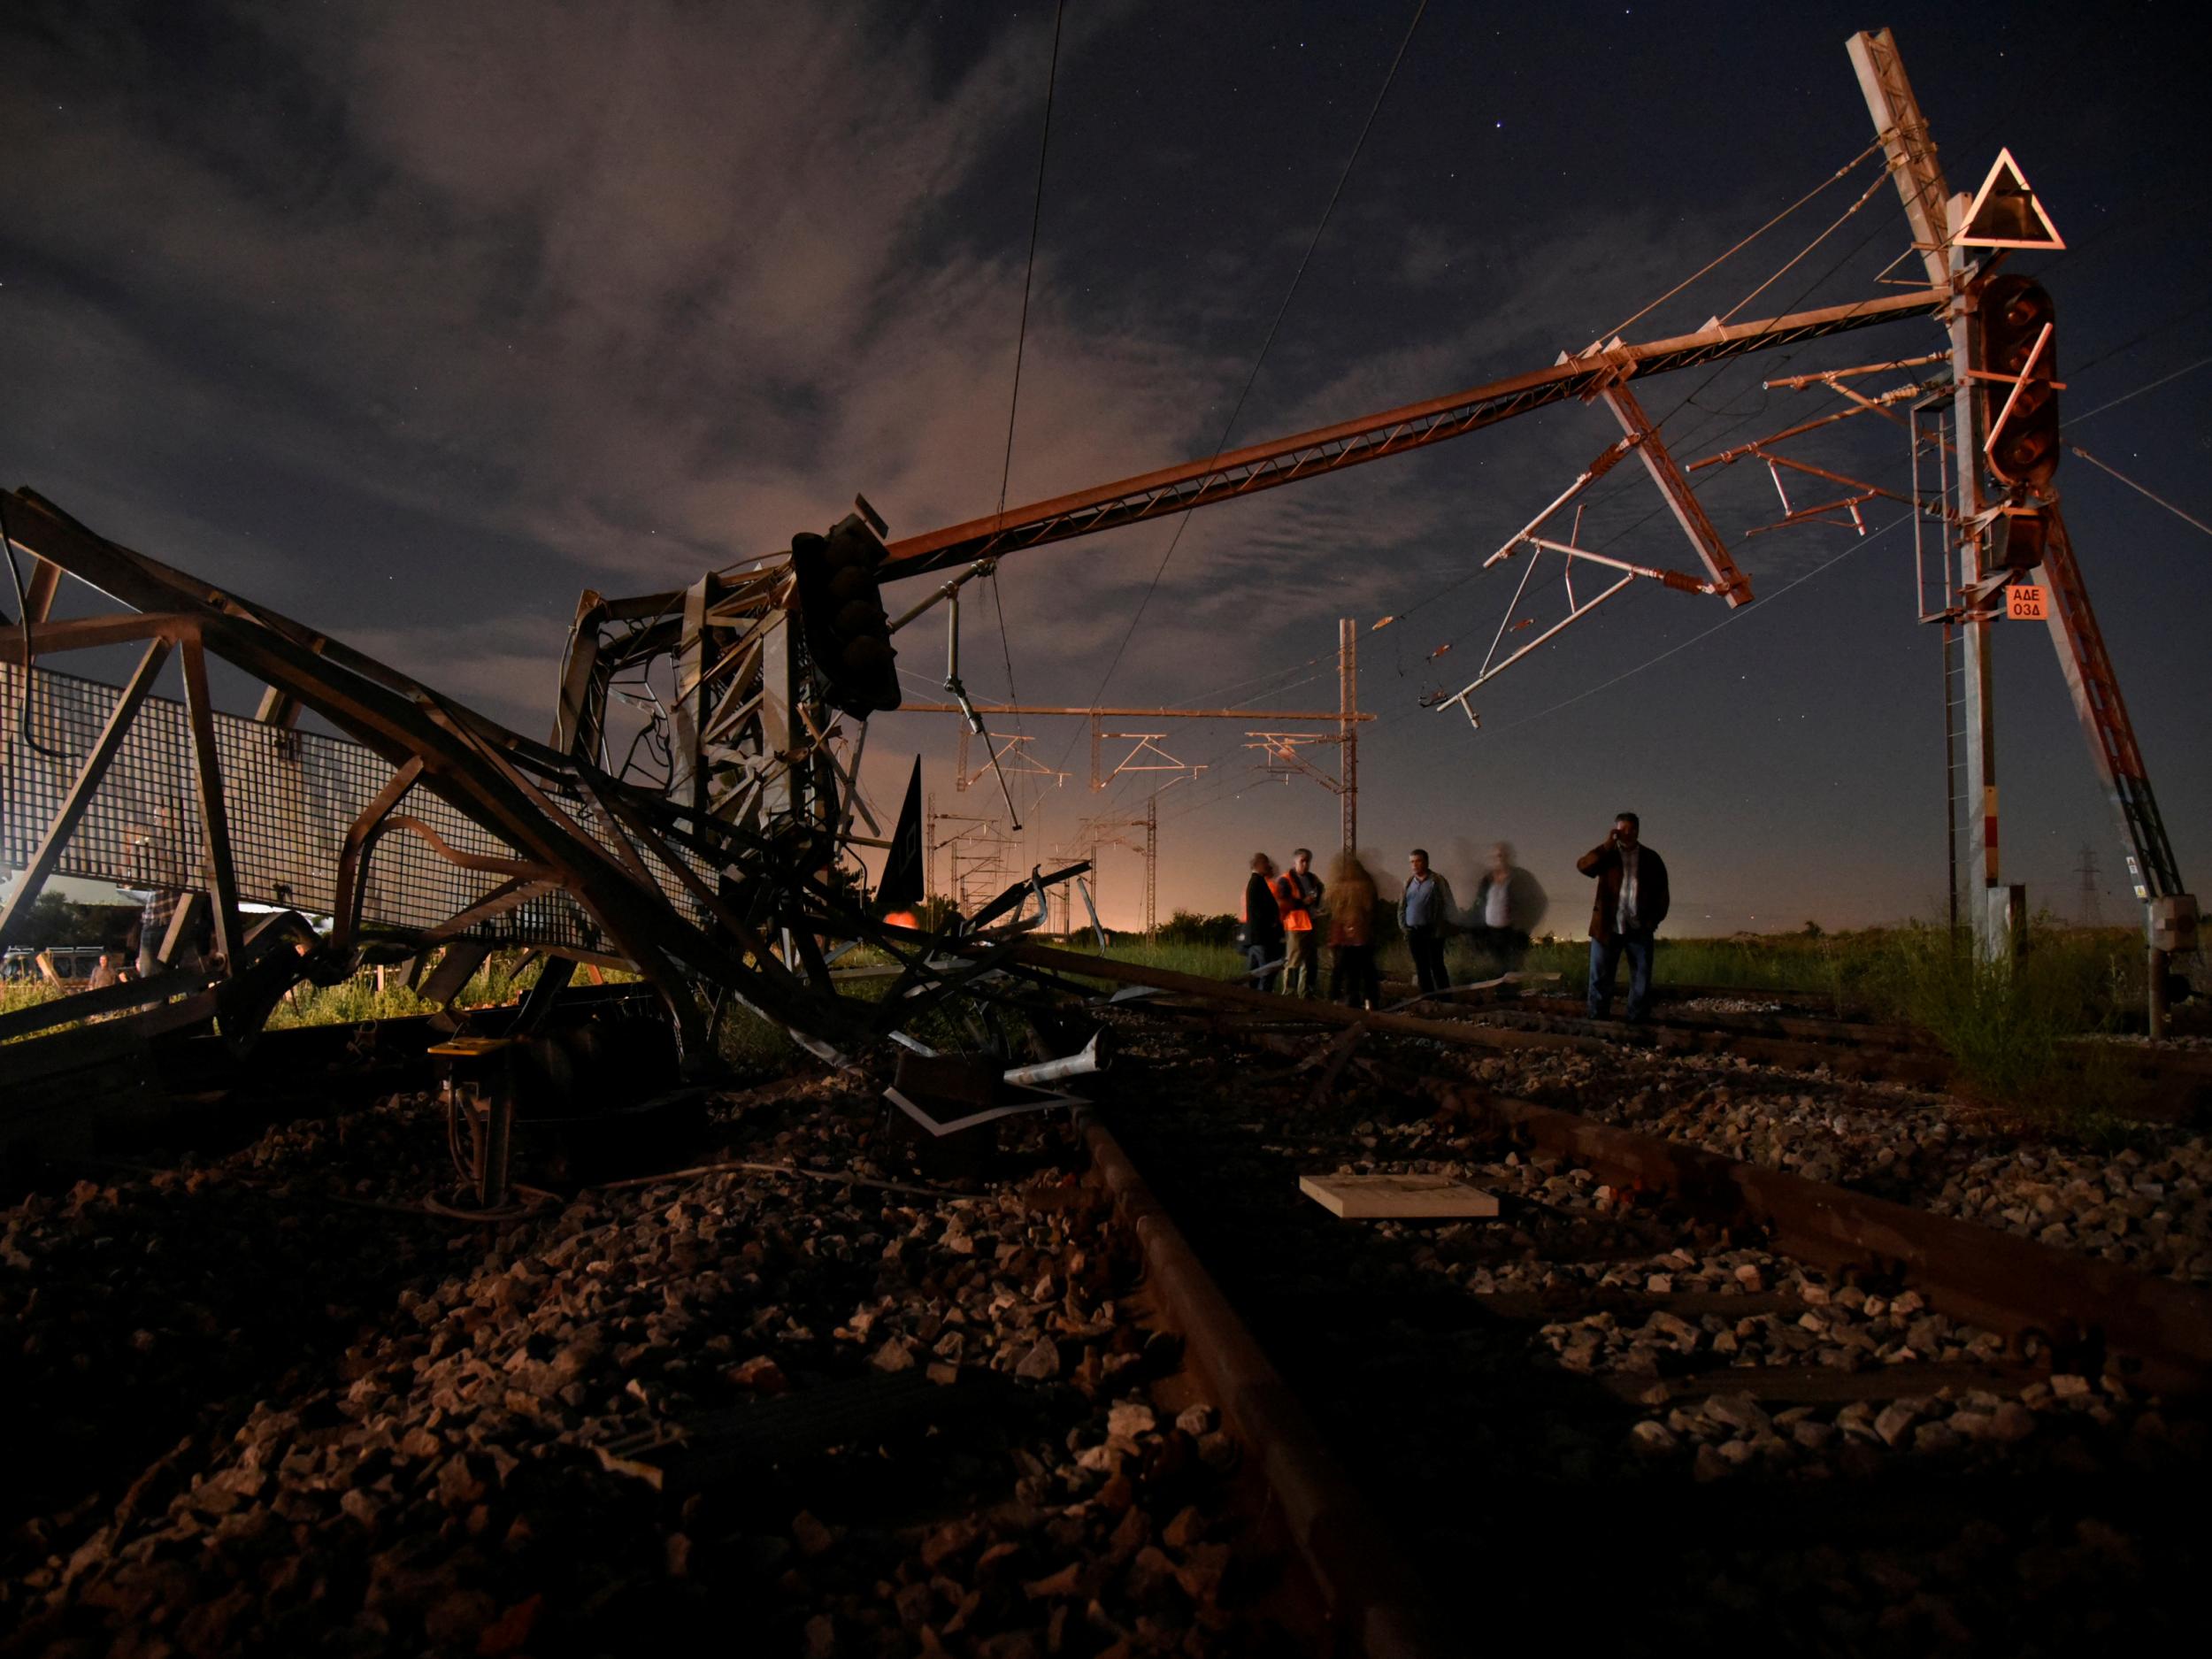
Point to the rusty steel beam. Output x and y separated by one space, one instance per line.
575 848
1328 717
86 633
2095 689
361 835
39 594
1240 472
124 995
207 768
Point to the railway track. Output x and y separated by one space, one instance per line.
1745 1405
2167 1084
2179 1080
2173 1085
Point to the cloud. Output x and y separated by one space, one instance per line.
416 318
506 667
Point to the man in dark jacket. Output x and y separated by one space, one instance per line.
1426 914
1262 922
1630 902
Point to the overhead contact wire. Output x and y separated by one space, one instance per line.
1707 269
2149 495
2186 368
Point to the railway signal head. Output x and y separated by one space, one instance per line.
2020 357
840 610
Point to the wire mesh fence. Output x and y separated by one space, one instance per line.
290 798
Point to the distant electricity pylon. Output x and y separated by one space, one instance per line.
2092 884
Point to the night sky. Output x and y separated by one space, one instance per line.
412 320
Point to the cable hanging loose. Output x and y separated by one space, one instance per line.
1021 337
23 617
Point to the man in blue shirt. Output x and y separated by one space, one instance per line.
1424 912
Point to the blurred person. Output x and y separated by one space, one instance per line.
1508 903
1298 897
153 928
1426 913
1352 976
1262 922
1630 902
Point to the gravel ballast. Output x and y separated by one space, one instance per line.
278 1408
1591 1394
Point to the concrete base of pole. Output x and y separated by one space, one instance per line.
2005 923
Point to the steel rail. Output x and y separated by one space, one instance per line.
2013 1285
1370 1599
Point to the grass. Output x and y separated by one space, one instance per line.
502 978
16 993
2011 1029
351 1002
1839 969
1212 962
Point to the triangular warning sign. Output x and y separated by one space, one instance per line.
900 892
2006 214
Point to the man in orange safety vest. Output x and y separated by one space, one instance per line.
1298 897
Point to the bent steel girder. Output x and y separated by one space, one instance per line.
1243 471
744 732
746 714
719 873
559 855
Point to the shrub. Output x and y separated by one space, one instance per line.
1188 928
2011 1028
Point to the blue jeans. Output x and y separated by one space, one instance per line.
1257 957
1426 942
1605 960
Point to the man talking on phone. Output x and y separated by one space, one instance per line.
1630 902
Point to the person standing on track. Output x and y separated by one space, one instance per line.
1352 934
1630 902
1424 912
1262 922
1508 904
1298 897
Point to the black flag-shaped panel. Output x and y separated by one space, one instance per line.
901 888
